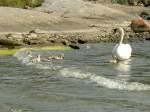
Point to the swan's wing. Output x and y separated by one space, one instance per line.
114 51
123 51
128 47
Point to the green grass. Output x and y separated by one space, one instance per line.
21 3
46 48
8 51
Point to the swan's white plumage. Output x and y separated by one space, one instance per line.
122 51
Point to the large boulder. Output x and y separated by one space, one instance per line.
140 25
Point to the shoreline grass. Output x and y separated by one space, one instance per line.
5 52
21 3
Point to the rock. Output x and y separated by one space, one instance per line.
38 31
15 36
81 41
74 46
146 2
132 2
52 41
32 35
37 41
73 41
140 25
145 15
32 31
128 2
15 39
10 42
148 39
65 42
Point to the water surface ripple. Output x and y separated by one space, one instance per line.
82 82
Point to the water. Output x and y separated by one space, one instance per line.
82 82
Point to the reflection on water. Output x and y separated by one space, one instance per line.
82 82
124 66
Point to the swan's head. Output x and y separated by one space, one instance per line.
120 30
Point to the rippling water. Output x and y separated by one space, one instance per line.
82 82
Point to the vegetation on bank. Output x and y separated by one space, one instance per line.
21 3
46 48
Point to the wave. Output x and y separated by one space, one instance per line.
103 81
25 58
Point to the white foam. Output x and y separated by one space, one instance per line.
72 73
25 56
103 81
21 54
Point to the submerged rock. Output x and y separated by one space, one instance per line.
80 41
74 46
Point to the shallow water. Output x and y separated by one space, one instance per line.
82 82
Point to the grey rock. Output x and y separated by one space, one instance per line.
74 46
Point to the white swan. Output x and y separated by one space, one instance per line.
121 51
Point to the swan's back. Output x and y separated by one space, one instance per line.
114 51
122 51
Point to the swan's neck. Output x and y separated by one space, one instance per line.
122 36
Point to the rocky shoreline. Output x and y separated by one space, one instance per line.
72 38
73 23
38 37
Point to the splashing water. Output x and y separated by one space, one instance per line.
103 81
25 56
